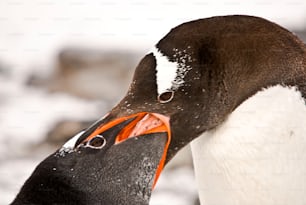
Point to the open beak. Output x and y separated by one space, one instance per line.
139 124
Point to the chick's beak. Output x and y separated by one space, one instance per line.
137 125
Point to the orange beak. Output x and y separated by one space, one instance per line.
140 124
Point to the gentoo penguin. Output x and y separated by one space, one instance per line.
238 82
105 170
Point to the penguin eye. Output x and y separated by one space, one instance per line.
166 97
97 142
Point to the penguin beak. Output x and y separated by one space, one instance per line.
136 125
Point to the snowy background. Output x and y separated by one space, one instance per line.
51 52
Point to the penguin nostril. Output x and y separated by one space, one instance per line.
97 142
166 97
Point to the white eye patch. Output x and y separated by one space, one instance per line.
170 75
71 142
68 147
165 72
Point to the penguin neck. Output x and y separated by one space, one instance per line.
231 88
256 156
